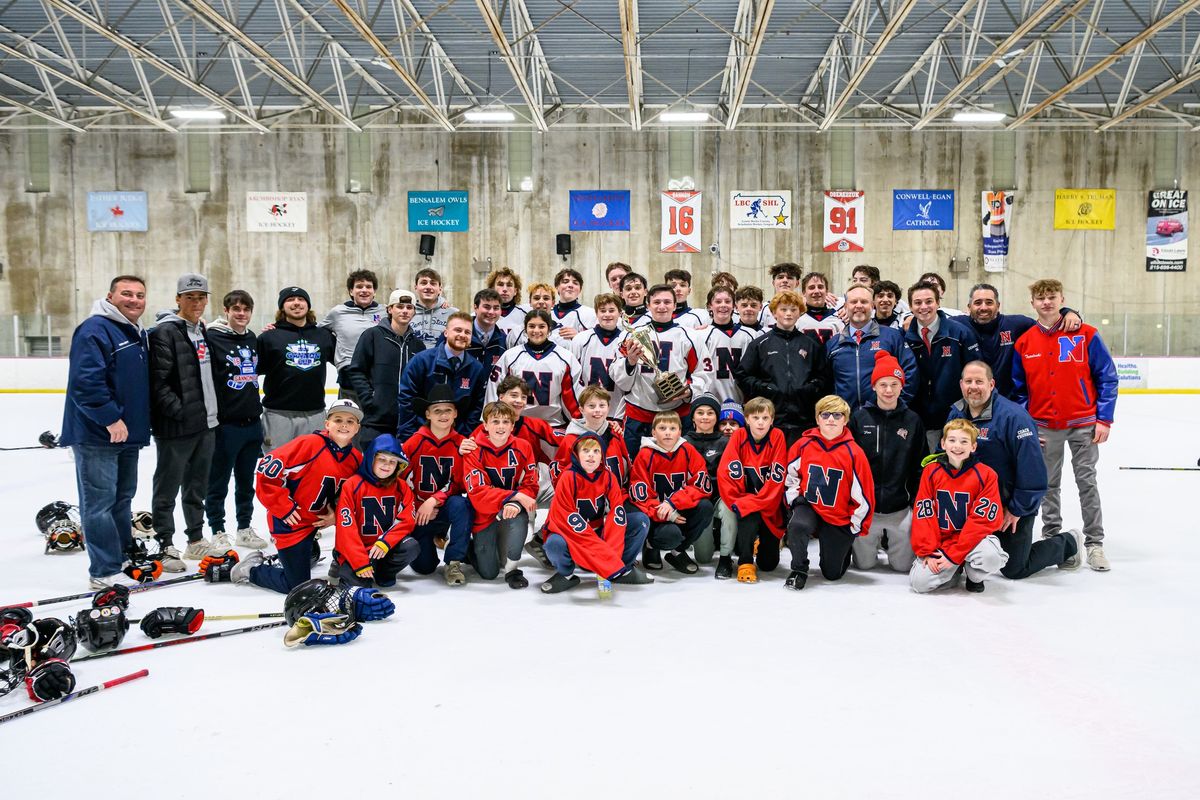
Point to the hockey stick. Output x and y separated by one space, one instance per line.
1165 469
140 587
13 449
183 640
74 696
229 617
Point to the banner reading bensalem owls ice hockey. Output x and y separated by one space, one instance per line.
997 222
1166 231
277 212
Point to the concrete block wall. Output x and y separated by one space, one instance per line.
52 265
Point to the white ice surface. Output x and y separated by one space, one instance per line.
1065 685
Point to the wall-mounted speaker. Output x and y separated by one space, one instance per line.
562 245
428 245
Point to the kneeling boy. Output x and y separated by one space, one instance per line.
751 482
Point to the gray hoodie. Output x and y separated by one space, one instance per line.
103 308
429 323
348 321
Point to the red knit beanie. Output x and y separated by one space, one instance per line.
886 366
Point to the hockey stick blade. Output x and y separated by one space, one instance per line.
133 589
182 640
1164 469
133 676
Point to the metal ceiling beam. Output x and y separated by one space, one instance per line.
749 30
1153 98
632 49
889 32
365 31
1082 78
39 113
828 62
1020 32
308 19
125 43
957 20
515 66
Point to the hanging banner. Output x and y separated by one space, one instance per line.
599 210
444 212
923 210
771 209
844 221
117 211
1166 231
277 212
1085 209
997 222
680 222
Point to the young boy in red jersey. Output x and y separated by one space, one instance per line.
502 485
434 473
831 493
670 485
750 478
375 517
587 524
298 484
956 515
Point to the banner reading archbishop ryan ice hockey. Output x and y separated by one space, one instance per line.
438 211
1085 209
277 212
117 211
923 210
1166 231
998 207
600 210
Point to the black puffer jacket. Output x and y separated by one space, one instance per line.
374 372
176 393
788 368
894 442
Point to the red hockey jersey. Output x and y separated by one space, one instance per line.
589 512
955 509
750 477
679 477
303 475
543 439
434 466
616 455
494 475
369 514
834 478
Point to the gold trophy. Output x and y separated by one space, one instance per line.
667 385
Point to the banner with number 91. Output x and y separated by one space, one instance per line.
844 222
681 222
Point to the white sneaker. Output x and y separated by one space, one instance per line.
241 571
248 537
1074 561
105 582
170 560
221 542
198 549
1096 558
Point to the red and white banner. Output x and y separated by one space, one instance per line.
843 230
681 222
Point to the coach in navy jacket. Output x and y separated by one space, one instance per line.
852 362
430 367
952 346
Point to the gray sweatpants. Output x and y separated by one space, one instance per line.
1084 455
280 427
897 525
182 468
984 561
728 528
499 545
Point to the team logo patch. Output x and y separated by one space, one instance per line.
1005 337
803 353
875 344
303 354
945 351
246 365
202 351
983 433
466 384
902 433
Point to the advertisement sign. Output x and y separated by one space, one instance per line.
1131 373
117 211
599 210
277 212
680 222
843 230
442 212
923 210
770 209
1166 231
997 222
1085 209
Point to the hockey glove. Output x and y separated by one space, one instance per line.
313 629
117 595
143 523
218 569
9 680
50 680
144 571
179 619
366 604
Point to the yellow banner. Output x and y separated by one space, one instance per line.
1085 209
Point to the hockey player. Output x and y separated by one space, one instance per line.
572 317
749 302
488 339
887 298
820 320
785 277
375 519
893 437
587 524
680 281
710 444
501 480
670 485
541 298
750 479
731 418
298 484
942 347
633 293
613 273
726 340
434 473
830 491
507 284
957 510
550 369
680 351
598 348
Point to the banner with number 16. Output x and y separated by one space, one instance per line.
681 222
844 222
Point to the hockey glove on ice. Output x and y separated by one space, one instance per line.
368 605
144 571
312 629
217 569
50 680
117 595
179 619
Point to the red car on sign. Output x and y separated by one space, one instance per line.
1168 227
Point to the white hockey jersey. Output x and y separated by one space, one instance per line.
681 351
822 329
694 318
597 350
573 315
551 372
725 346
512 321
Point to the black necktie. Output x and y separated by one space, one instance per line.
455 362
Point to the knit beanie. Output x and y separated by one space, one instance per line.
706 400
886 366
732 409
293 291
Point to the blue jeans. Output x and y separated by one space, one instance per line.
106 477
454 521
237 451
293 569
636 527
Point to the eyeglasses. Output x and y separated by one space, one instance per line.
832 415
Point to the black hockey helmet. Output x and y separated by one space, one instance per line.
48 440
58 511
40 640
314 596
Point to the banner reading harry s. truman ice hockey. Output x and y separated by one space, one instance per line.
277 212
1085 209
997 222
1166 231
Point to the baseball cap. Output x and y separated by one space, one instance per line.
346 406
402 296
191 282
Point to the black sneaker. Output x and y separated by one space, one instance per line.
796 580
515 579
724 568
651 558
636 576
558 583
973 586
683 562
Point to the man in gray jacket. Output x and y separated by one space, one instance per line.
183 417
350 320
